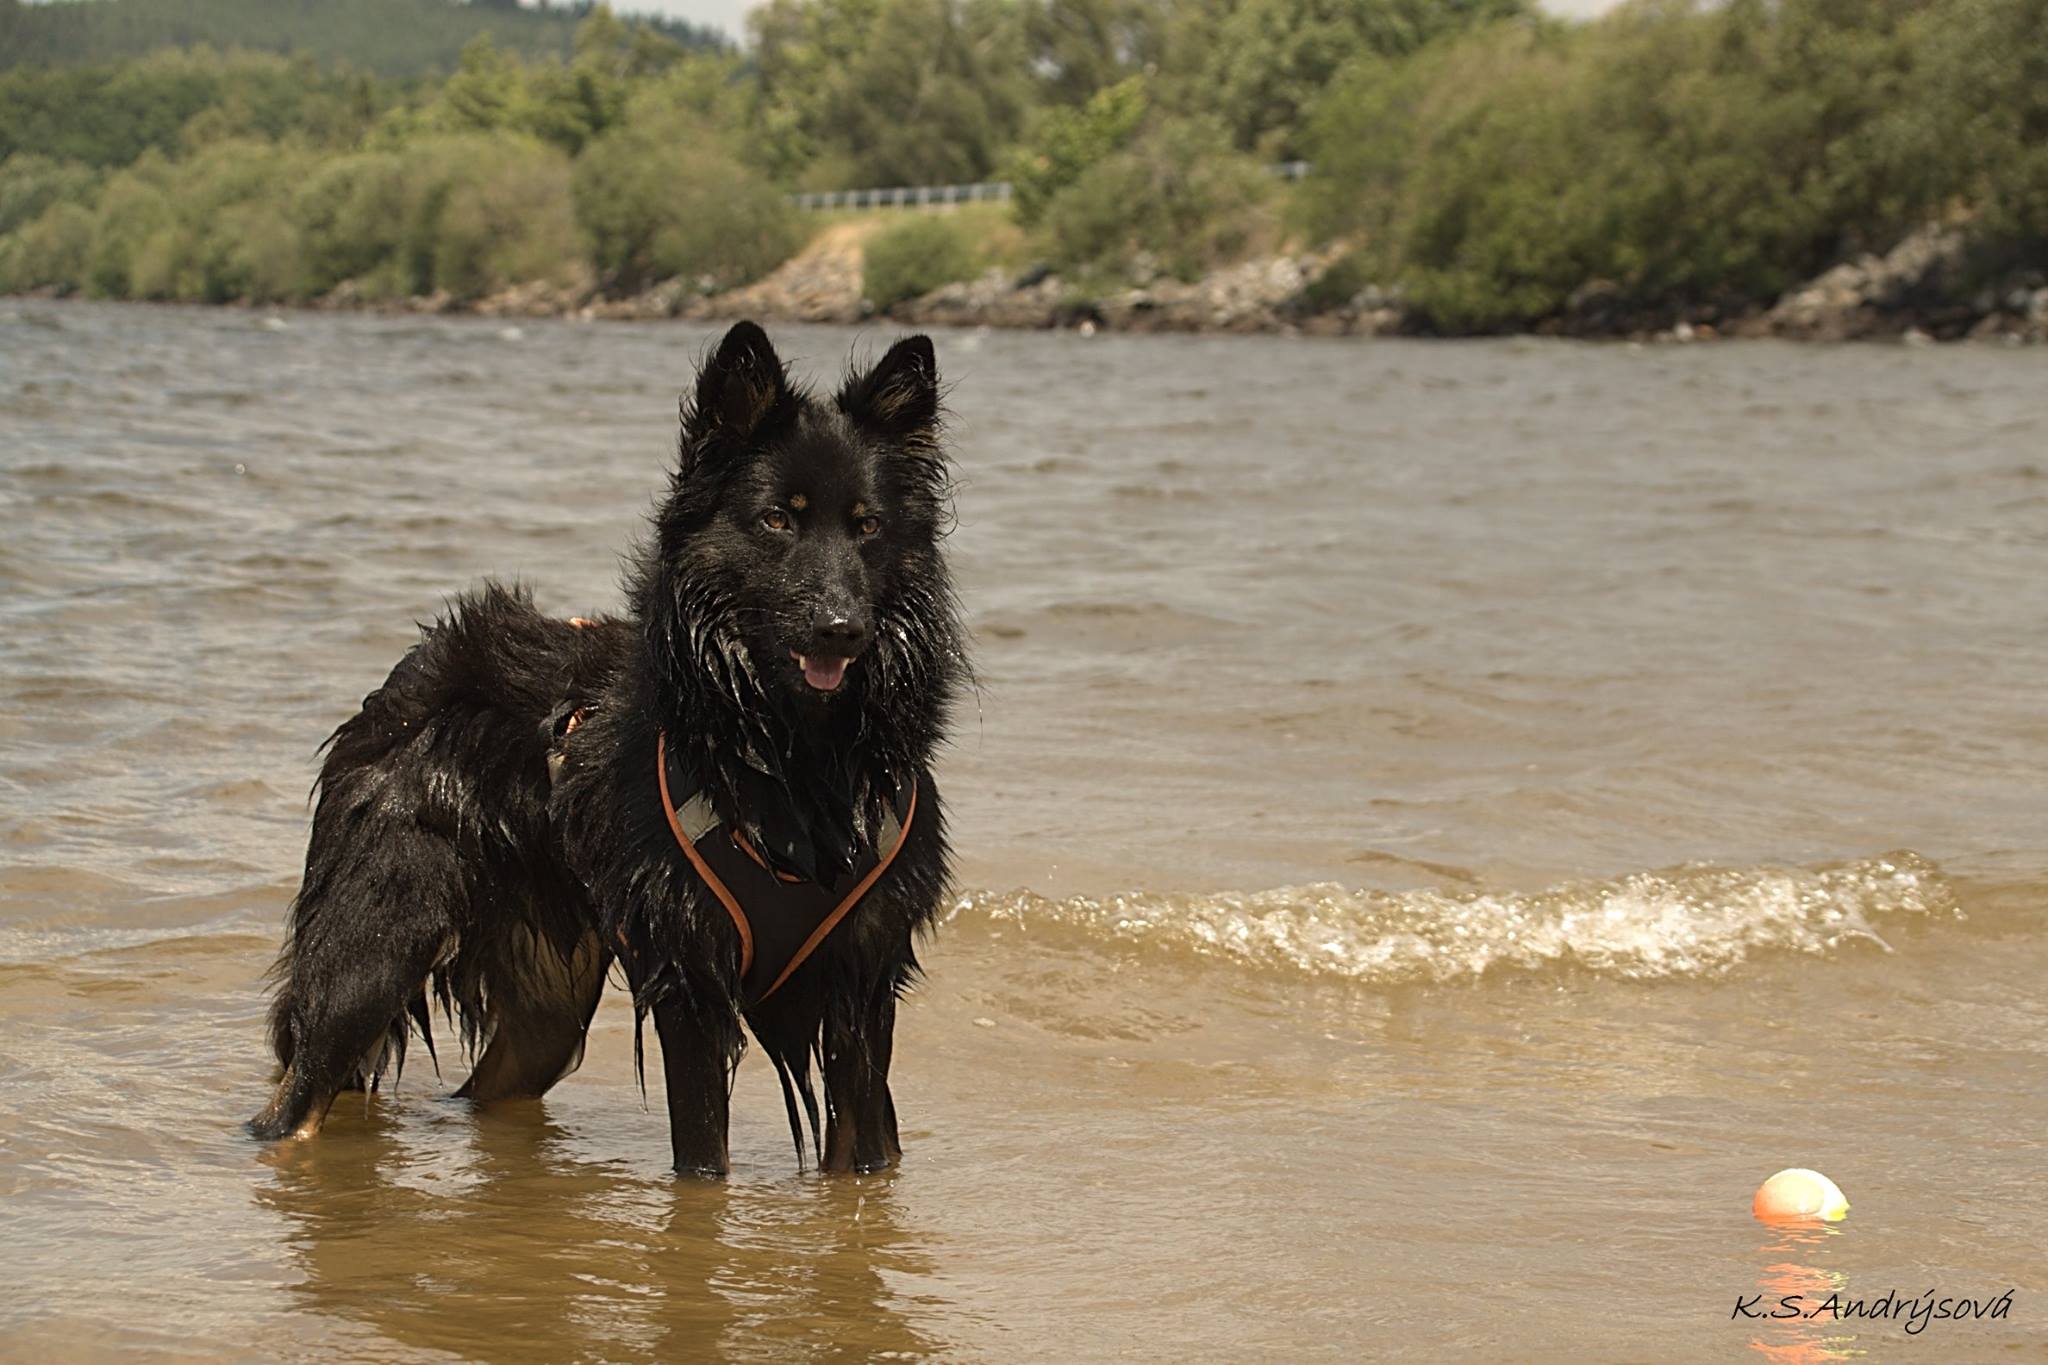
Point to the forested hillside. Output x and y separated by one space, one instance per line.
386 37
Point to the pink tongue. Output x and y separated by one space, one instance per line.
824 674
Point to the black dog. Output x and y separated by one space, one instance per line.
728 790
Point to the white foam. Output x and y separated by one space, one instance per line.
1694 920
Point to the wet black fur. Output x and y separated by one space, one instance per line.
452 862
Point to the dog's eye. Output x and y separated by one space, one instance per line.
870 526
775 519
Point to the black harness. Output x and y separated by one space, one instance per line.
781 919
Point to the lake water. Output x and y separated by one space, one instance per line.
1438 825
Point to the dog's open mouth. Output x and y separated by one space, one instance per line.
821 671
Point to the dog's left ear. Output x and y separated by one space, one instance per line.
899 395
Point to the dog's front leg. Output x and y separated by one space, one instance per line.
698 1045
860 1116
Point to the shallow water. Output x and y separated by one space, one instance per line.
1438 825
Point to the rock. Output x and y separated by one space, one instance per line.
993 300
1380 322
1989 326
1870 295
343 297
538 298
1265 294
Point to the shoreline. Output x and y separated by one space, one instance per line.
1903 297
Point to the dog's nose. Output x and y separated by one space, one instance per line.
840 633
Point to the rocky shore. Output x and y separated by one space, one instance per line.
1915 292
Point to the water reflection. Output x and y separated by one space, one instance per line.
489 1234
1795 1281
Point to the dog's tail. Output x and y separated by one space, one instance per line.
367 934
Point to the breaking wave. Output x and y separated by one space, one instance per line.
1689 921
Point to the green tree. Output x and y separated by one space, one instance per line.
1065 142
1976 113
663 199
1272 58
1679 159
392 38
888 92
1078 47
487 91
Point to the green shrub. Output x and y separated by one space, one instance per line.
1680 158
49 252
30 184
1977 109
132 209
212 228
464 213
1178 194
661 200
485 212
914 257
350 214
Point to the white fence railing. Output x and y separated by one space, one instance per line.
906 196
926 196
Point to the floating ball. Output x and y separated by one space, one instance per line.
1799 1195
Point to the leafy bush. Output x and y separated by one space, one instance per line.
464 213
659 200
132 209
1679 158
49 252
914 257
229 237
350 214
30 184
1178 194
506 218
1068 141
1977 109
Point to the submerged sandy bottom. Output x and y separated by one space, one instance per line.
1438 827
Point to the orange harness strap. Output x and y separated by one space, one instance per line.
718 889
819 896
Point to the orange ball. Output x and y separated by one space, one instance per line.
1799 1195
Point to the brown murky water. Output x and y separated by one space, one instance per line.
1441 823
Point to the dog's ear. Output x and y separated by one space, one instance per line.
899 395
741 392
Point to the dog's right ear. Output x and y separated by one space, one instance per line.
741 392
